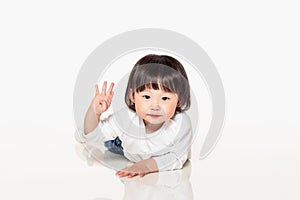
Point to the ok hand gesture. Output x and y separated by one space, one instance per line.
102 101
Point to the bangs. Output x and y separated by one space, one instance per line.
157 77
154 86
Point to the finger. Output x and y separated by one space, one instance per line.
110 88
97 89
119 172
109 100
104 88
129 173
142 174
133 174
110 96
122 174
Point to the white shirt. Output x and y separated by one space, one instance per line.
169 146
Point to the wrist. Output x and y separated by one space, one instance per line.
94 113
152 165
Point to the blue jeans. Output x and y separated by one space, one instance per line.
114 146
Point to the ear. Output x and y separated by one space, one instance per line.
178 104
131 96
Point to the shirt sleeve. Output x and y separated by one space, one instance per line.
177 154
104 131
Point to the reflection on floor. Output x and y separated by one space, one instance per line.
162 185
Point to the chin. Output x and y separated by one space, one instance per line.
155 122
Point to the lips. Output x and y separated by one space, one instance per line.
154 115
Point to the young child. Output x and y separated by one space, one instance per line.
154 132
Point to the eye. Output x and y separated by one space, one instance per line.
165 98
146 96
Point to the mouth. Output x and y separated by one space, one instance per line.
154 116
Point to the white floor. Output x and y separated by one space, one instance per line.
240 167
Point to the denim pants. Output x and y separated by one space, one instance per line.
114 146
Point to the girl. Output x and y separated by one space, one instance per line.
154 131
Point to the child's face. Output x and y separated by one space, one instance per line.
155 106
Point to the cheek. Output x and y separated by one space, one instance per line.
140 107
170 110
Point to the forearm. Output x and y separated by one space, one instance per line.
91 121
171 160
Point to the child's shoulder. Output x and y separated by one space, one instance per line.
183 116
180 125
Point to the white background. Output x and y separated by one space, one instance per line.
254 45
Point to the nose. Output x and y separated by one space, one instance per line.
155 105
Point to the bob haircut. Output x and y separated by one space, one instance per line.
159 72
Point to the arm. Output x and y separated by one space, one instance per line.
99 104
177 155
173 158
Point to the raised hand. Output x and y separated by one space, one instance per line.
102 101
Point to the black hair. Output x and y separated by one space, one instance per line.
159 72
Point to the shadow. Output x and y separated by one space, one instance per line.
173 184
162 185
95 153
